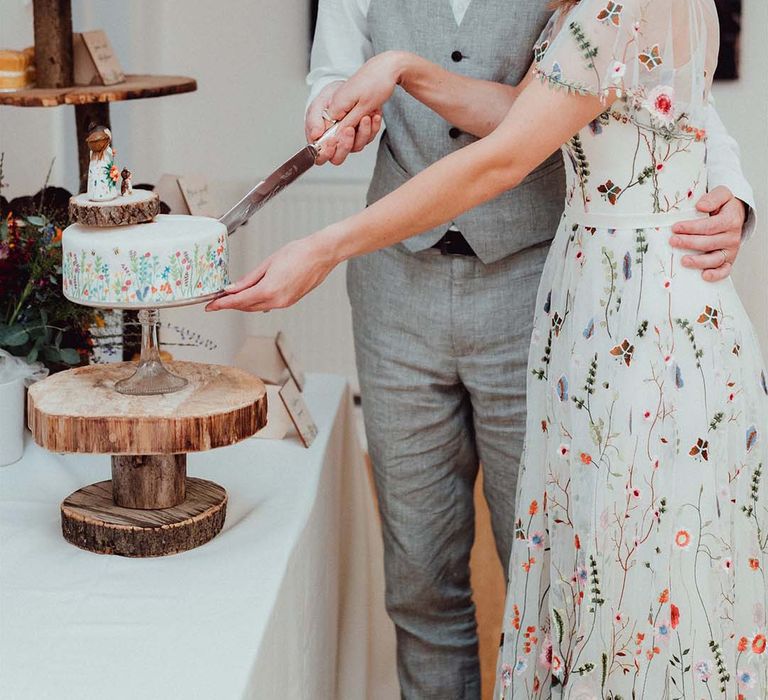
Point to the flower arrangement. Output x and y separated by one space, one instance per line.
36 321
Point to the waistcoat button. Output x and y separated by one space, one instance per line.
454 132
457 56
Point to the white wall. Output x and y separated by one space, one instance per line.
30 138
250 58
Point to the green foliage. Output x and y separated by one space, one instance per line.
588 51
36 321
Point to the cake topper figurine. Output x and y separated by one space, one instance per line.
126 187
103 172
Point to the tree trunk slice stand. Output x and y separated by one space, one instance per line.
149 508
135 87
91 520
136 208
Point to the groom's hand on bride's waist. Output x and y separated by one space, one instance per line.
717 238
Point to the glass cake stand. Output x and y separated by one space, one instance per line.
151 377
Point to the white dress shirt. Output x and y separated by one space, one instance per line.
343 44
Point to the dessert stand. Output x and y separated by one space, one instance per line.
148 418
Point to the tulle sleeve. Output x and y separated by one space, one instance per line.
633 50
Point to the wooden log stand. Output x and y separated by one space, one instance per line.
150 507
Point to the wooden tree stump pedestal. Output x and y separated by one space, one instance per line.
149 508
137 208
90 519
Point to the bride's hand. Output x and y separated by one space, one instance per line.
282 279
368 89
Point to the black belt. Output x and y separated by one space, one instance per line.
453 243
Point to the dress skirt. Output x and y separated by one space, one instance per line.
639 566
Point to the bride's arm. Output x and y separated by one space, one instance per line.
474 106
539 122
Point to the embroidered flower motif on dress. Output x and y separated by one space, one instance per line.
661 104
617 73
683 539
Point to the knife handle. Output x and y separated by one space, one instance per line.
317 146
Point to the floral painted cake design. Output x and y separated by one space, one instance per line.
173 258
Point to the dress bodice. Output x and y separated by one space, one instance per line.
623 164
646 154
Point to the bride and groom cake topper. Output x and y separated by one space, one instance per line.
103 171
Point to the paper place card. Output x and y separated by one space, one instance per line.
290 360
294 403
195 192
95 61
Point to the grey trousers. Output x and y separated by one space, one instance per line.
442 353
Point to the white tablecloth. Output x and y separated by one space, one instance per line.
286 602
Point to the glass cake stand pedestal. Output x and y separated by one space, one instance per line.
148 418
151 376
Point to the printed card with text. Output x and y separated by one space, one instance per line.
196 194
103 58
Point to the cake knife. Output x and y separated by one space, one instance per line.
288 172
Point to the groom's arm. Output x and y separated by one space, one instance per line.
730 204
724 166
342 44
473 105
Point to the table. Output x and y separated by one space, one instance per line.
287 602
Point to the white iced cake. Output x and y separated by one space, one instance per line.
170 259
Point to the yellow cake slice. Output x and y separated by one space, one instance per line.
16 69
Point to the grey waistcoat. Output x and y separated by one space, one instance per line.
494 42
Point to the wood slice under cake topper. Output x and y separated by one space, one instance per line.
105 204
150 508
136 208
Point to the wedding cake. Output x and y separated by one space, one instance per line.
168 260
119 253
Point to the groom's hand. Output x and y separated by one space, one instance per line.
349 140
717 238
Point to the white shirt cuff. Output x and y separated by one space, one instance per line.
318 80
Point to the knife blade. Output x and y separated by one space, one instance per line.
276 182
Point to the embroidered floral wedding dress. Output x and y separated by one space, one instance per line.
639 567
